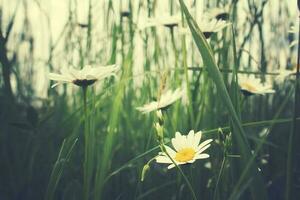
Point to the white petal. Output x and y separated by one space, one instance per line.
193 160
176 144
179 141
56 84
163 159
171 166
59 77
90 77
86 69
76 74
190 135
204 144
203 148
105 71
178 134
170 151
202 156
66 72
148 107
197 139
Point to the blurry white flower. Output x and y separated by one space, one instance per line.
251 85
208 27
264 161
264 132
207 165
165 100
219 13
165 20
293 30
187 149
285 73
84 77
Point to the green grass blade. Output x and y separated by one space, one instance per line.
257 186
59 166
104 162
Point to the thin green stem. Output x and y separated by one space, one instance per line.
249 124
86 178
219 176
163 149
184 62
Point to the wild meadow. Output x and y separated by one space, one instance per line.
149 99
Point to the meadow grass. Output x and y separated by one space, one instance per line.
92 142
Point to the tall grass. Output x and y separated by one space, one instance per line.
64 144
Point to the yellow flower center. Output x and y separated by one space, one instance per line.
185 155
248 87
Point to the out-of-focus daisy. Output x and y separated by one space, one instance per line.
208 27
293 31
125 13
219 13
165 100
285 73
165 20
84 77
125 10
187 149
250 85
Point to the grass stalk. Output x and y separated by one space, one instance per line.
294 134
163 149
256 188
88 148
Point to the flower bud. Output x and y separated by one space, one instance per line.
160 117
159 114
146 168
159 130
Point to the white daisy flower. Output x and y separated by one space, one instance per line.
165 20
250 85
84 77
187 149
165 100
219 13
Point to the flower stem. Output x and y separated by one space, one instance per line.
160 140
86 171
219 177
163 149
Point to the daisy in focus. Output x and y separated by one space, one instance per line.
250 85
187 149
164 101
84 77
